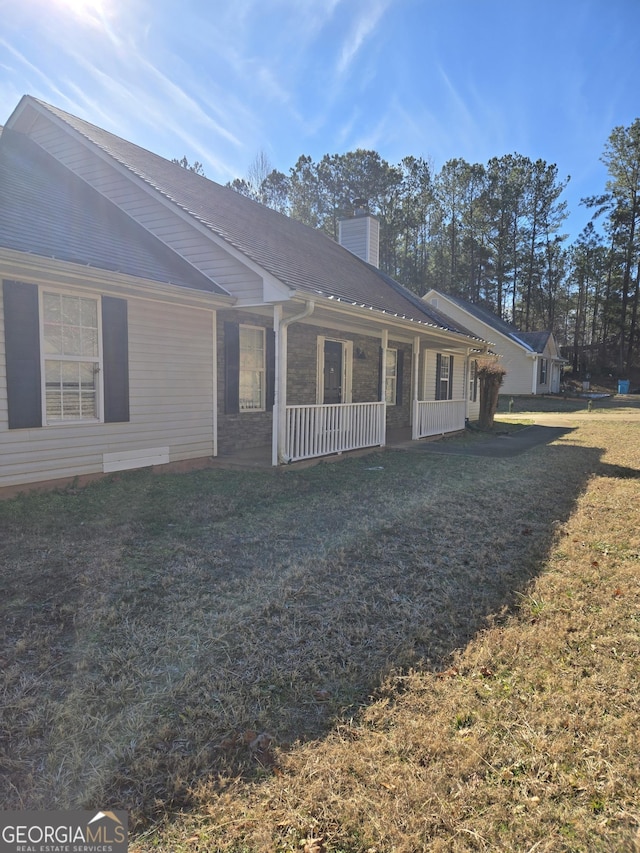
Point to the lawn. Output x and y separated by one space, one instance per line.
401 652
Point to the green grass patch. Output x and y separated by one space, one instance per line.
404 651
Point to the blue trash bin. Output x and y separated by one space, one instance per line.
623 386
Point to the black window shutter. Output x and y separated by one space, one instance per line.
22 350
271 367
451 377
438 372
380 376
115 359
399 372
231 368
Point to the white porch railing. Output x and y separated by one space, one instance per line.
436 417
320 430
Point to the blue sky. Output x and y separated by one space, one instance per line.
221 81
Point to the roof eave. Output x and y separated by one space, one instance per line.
381 317
189 216
41 269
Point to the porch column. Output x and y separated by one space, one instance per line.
535 375
415 395
384 343
278 423
280 326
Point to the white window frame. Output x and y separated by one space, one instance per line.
391 380
262 371
74 359
347 368
444 360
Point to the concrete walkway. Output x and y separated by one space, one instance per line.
497 446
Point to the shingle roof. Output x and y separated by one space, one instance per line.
46 210
302 258
536 340
528 340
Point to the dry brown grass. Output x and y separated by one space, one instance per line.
402 652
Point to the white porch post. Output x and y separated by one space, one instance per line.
535 374
280 327
466 384
278 424
384 343
415 391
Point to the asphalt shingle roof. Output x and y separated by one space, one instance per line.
536 340
533 341
48 211
302 258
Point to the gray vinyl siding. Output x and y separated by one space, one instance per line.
171 402
519 376
4 411
428 375
473 409
361 236
149 211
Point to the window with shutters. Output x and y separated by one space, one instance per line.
444 377
66 356
252 380
71 361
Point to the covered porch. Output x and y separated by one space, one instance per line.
429 377
352 385
260 457
323 430
329 431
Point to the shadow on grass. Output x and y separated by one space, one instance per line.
498 443
167 631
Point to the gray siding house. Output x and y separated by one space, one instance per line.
151 316
532 359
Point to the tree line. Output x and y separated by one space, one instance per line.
491 233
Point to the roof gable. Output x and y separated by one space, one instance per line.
529 341
46 210
302 258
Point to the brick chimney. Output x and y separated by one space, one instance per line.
360 233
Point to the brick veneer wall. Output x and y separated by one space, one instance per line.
254 429
243 430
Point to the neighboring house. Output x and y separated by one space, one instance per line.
532 359
151 316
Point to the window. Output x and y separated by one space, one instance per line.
252 369
444 377
67 357
391 378
473 381
71 358
543 371
249 368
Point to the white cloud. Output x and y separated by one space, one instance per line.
363 27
